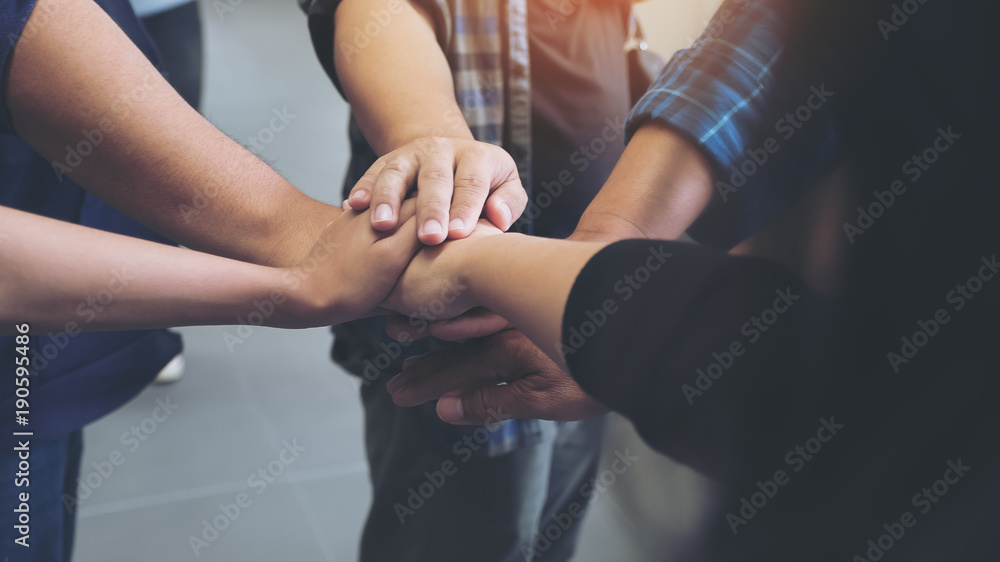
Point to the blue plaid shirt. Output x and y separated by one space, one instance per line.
736 92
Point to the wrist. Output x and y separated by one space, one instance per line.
303 226
429 136
661 184
464 265
602 226
297 301
472 264
255 295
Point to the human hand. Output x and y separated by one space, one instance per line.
457 180
434 285
476 323
352 267
466 380
479 322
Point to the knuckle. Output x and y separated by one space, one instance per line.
477 149
523 353
428 201
510 345
433 145
472 182
503 158
396 167
482 405
519 197
366 182
435 175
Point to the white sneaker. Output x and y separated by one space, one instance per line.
172 372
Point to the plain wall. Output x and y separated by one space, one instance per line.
670 25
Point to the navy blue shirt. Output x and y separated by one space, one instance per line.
13 17
77 377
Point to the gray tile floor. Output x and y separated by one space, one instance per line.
237 410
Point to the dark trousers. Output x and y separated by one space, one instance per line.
177 34
431 503
54 469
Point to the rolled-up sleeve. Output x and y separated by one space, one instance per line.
13 17
762 94
716 91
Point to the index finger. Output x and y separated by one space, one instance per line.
389 188
432 375
435 185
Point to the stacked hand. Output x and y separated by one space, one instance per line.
497 368
434 286
466 380
351 268
458 181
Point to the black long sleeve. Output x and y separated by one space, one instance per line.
732 366
652 360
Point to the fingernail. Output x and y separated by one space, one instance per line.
432 227
450 409
456 224
383 213
508 213
409 361
359 194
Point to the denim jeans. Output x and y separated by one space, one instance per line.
437 499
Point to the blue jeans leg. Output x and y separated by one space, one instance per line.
435 501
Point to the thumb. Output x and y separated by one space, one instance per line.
481 406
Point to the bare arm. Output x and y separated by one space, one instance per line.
400 85
402 94
524 279
77 81
661 184
62 276
659 187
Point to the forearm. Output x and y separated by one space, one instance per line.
400 85
61 276
139 147
526 280
760 94
661 184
